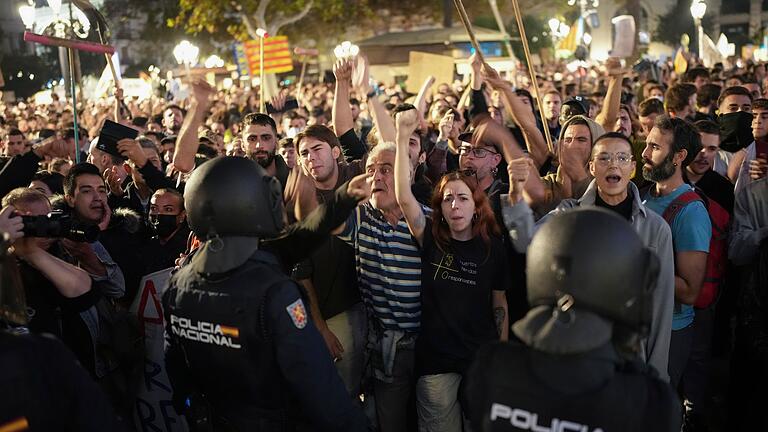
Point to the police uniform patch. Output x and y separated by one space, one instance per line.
297 313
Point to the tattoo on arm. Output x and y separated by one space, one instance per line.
499 316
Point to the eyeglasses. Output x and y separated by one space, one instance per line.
621 159
477 152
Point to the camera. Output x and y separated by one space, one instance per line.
58 224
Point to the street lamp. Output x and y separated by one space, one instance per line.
27 13
554 24
698 9
346 50
214 61
186 54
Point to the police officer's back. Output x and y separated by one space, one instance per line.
238 333
588 286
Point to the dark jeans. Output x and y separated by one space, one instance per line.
679 352
698 371
391 399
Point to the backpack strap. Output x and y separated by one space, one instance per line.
670 213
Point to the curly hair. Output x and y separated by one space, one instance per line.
484 224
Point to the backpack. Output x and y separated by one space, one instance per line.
718 244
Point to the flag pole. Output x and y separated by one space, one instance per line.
468 27
532 72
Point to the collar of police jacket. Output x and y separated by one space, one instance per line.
222 254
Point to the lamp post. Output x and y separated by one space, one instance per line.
51 22
698 9
54 24
262 34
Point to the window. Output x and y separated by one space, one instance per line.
734 7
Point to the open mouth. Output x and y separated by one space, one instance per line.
612 178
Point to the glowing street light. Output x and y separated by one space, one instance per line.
587 38
698 9
554 24
187 54
346 50
214 61
27 13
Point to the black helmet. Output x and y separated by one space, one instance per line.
589 281
233 196
593 260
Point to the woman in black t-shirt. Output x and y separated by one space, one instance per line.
464 279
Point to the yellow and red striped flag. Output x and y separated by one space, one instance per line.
277 55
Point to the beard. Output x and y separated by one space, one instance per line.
660 172
263 161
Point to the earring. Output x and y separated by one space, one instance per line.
474 217
674 163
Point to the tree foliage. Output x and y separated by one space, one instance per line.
677 21
326 19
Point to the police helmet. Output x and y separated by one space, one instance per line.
591 259
233 196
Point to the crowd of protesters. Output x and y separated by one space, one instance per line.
431 267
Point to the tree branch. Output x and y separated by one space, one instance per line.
261 13
249 26
283 21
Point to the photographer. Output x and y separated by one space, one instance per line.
48 395
57 292
86 195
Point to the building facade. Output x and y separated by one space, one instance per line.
740 20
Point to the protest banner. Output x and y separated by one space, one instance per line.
421 65
624 36
154 411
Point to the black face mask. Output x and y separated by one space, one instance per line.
163 225
735 131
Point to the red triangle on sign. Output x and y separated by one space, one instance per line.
156 311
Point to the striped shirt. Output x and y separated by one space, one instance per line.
388 264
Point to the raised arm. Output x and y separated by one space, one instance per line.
381 118
421 98
521 114
69 280
493 133
610 112
341 112
187 142
406 122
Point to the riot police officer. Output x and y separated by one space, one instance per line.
588 286
242 353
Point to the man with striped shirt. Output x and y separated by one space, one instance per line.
389 276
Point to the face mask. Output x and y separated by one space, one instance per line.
163 225
735 131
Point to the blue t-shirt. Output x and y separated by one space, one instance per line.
691 231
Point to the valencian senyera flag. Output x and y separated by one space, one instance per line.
277 55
